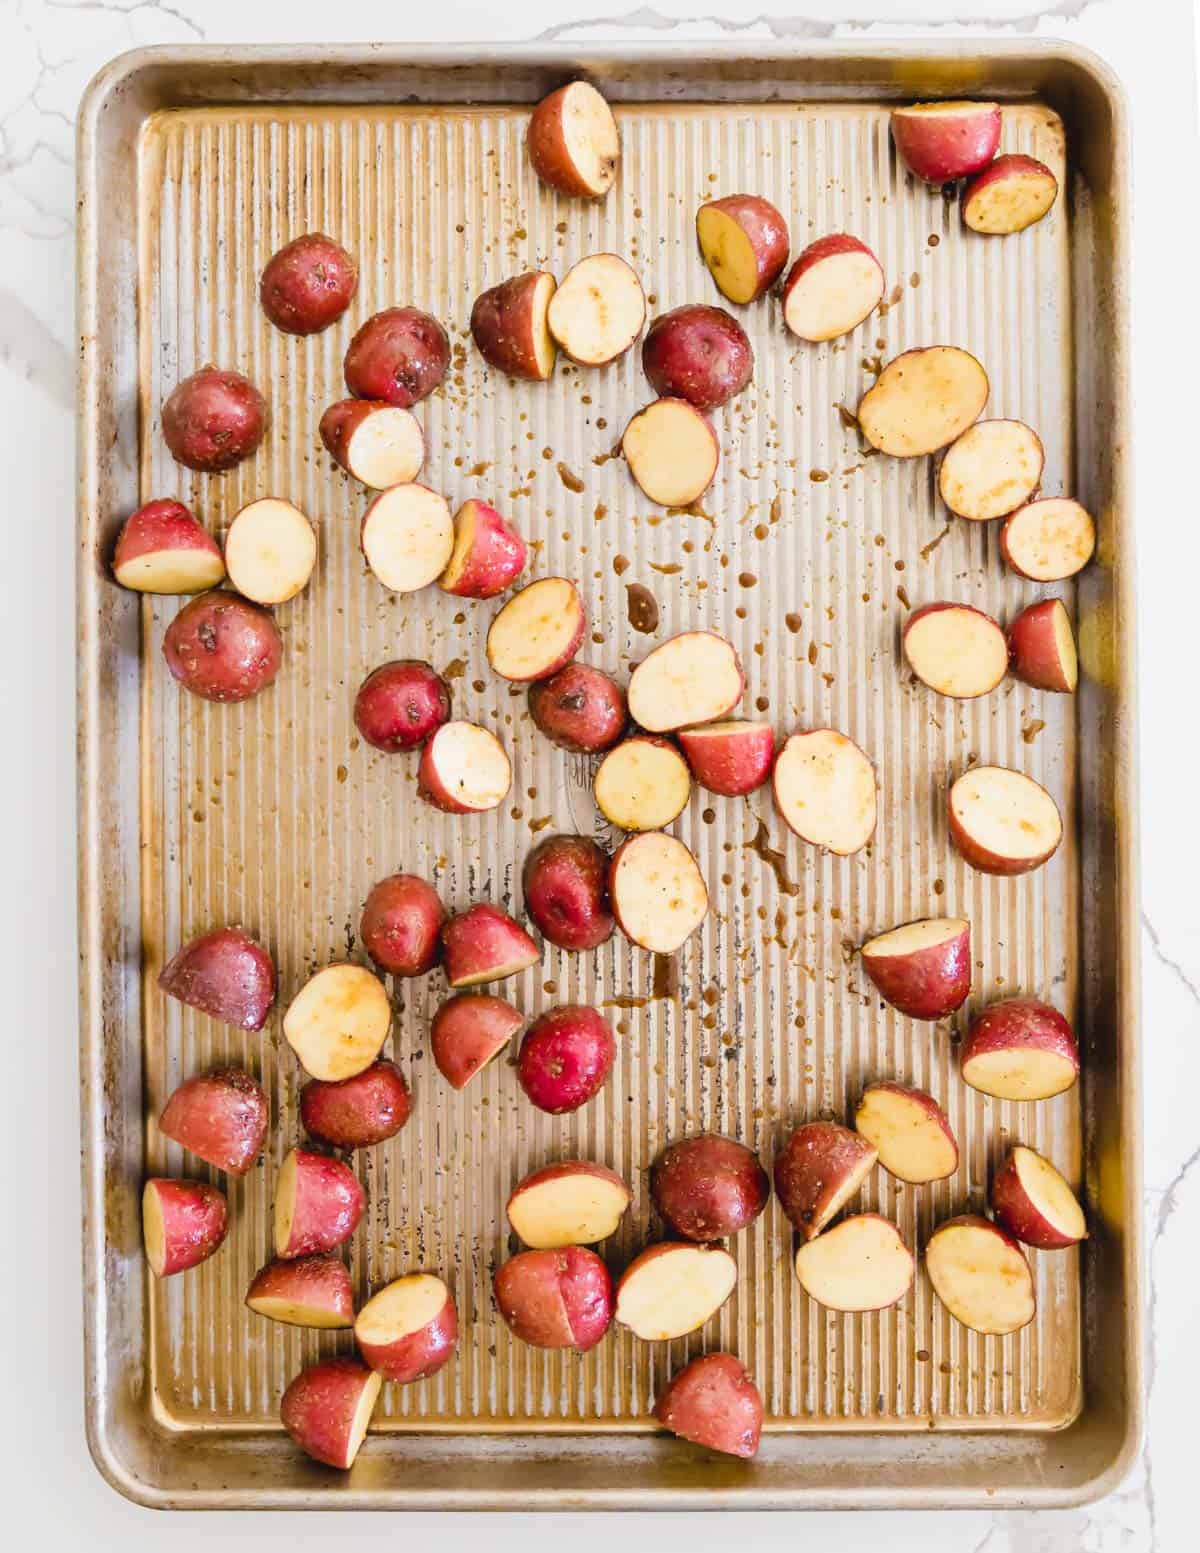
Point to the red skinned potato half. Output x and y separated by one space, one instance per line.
1003 822
834 284
642 784
942 141
1019 1049
658 894
744 242
1048 540
400 704
398 356
1041 647
923 968
691 678
910 1132
338 1021
357 1112
376 442
708 1187
673 1288
308 284
311 1291
598 310
213 420
183 1223
223 648
672 452
713 1402
537 631
163 549
860 1264
464 770
991 470
698 353
318 1203
488 553
468 1032
573 141
1008 196
270 551
327 1409
824 789
818 1170
508 325
565 882
1033 1201
923 400
407 537
220 1117
730 758
565 1058
955 649
409 1329
555 1299
575 1203
484 944
980 1274
224 974
580 709
401 925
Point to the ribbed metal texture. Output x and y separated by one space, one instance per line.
806 552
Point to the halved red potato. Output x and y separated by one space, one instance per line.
1033 1201
378 443
658 894
642 784
270 551
706 1187
220 1117
575 1203
730 758
923 968
565 1058
980 1274
923 400
309 1291
1048 540
484 944
400 704
401 925
318 1204
308 284
327 1409
468 1032
860 1264
1003 822
817 1171
673 1288
537 631
223 648
400 355
910 1132
338 1021
213 420
556 1298
691 678
183 1223
1009 195
1019 1049
824 789
955 649
834 284
464 769
744 242
488 553
672 452
407 537
942 141
162 548
573 141
508 325
1041 647
224 974
713 1402
580 709
409 1329
565 880
598 310
991 470
358 1112
698 353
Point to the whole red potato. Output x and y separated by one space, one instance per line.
708 1187
566 891
213 420
565 1057
223 648
401 926
580 709
399 355
358 1112
698 353
308 284
400 704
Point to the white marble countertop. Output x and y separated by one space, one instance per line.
48 51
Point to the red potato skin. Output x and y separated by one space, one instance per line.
418 1354
223 648
500 323
308 284
1015 1213
496 558
224 974
1019 1022
329 1204
213 420
939 151
713 1402
565 1058
548 149
1007 166
580 709
987 861
480 937
195 1222
320 1282
318 1408
358 1112
221 1117
401 925
341 420
1033 650
161 525
809 1169
468 1031
555 1299
767 231
733 767
698 353
399 356
708 1187
928 985
566 892
400 704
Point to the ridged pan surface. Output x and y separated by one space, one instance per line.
807 552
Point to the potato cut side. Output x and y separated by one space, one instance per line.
860 1264
915 937
689 679
658 893
172 571
833 296
956 650
285 1201
338 1021
270 551
1049 1193
673 1289
590 136
537 631
728 252
1010 195
1002 821
571 1207
991 470
386 448
361 1420
404 1306
923 400
981 1276
598 310
407 537
825 790
910 1132
672 452
541 341
471 766
154 1233
1020 1073
1049 540
294 1313
643 784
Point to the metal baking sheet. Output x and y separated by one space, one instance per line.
807 552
